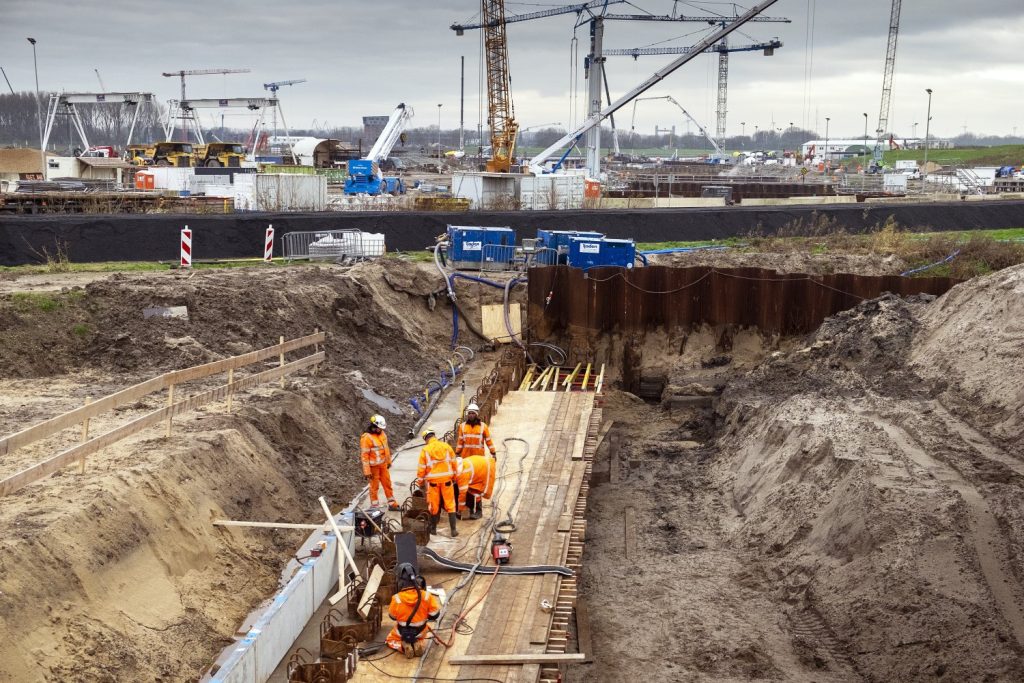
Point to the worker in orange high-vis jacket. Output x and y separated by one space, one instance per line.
411 607
473 435
476 482
436 471
376 457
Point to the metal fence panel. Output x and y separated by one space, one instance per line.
497 256
332 245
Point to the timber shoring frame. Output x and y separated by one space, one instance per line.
132 394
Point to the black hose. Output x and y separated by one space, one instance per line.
502 569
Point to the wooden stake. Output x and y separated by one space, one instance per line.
282 364
231 390
170 402
343 555
85 437
316 349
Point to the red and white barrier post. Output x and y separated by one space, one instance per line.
186 248
268 248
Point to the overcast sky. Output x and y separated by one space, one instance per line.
362 58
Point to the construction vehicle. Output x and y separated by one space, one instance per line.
364 175
160 154
218 154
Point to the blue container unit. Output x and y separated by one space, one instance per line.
559 240
591 253
474 247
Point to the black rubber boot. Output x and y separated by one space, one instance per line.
451 524
434 519
478 510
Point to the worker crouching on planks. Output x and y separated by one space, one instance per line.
437 470
475 482
376 458
412 607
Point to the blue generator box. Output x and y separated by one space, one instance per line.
559 240
591 253
470 246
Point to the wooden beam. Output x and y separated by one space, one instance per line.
48 467
372 584
629 524
275 525
134 393
532 658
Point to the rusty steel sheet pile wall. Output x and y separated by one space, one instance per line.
605 300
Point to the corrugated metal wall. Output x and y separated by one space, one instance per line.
613 299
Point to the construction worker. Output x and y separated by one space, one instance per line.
412 607
437 470
376 457
473 435
475 482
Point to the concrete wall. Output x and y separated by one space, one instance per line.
255 657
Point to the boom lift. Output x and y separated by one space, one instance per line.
364 175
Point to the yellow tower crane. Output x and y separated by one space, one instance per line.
501 118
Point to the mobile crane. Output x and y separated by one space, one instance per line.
364 175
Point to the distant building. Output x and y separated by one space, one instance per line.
839 149
373 126
20 163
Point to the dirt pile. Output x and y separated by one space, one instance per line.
883 518
970 348
118 574
786 262
850 508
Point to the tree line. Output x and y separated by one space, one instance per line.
105 124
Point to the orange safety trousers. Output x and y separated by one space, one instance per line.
380 476
438 491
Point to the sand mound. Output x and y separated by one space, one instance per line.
971 346
883 516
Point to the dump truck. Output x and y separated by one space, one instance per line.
160 154
217 154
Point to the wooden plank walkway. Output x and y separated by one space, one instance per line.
509 618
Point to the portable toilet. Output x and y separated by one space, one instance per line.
472 247
589 253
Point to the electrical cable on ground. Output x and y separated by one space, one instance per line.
489 525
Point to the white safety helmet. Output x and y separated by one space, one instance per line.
379 421
428 432
473 408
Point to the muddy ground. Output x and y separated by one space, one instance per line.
848 508
117 574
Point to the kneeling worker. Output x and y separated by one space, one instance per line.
412 607
476 482
437 470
